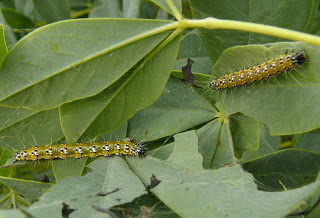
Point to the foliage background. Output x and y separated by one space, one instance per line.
85 80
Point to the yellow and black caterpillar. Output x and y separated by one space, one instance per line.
265 70
79 150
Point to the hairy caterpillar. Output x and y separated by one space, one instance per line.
265 70
79 150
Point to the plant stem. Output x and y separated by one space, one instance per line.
213 23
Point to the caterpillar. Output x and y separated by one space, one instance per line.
270 68
79 150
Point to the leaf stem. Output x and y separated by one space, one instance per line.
214 23
174 10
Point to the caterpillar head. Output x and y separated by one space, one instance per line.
140 151
214 84
16 156
300 57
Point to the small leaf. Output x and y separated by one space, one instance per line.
268 144
224 155
107 8
130 8
28 188
245 133
208 139
163 4
308 141
3 46
292 167
17 20
52 10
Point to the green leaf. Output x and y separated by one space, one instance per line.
245 133
163 4
52 10
12 213
191 47
162 152
57 65
208 139
4 156
130 8
107 8
109 109
17 20
292 167
3 47
279 102
268 144
108 175
11 116
261 11
146 205
28 188
308 141
168 114
194 192
37 129
224 154
8 32
68 167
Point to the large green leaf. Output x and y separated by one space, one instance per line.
290 168
110 108
288 103
192 191
74 59
108 175
52 10
177 109
291 14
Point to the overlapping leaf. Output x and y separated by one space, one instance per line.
73 59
